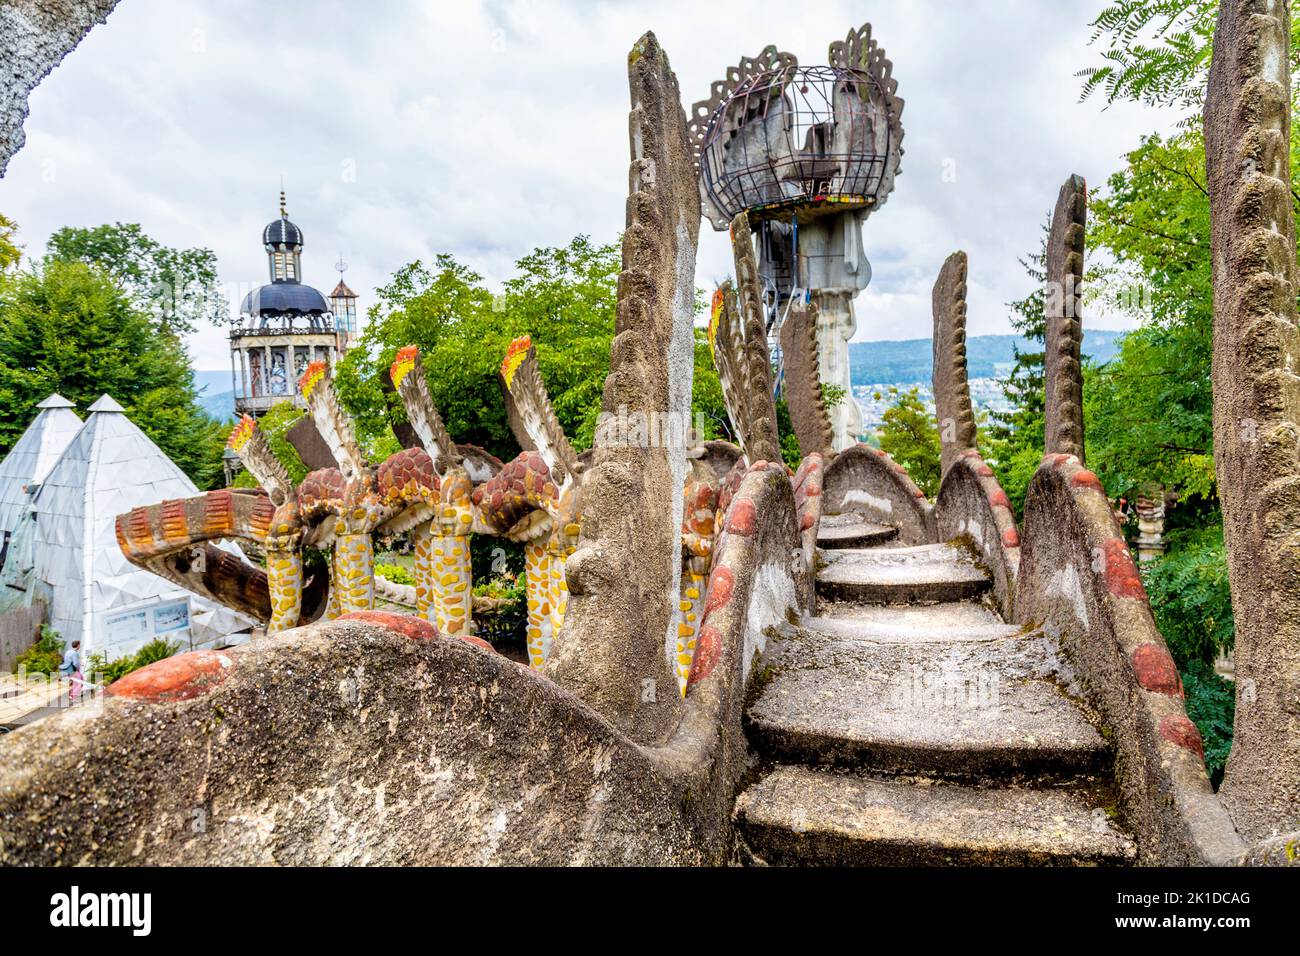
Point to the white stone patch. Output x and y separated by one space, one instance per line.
492 833
1067 584
859 496
972 527
477 471
771 597
681 369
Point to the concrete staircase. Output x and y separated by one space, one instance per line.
907 723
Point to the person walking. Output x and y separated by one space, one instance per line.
71 668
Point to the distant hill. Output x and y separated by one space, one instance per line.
987 356
216 396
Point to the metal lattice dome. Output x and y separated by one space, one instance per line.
798 139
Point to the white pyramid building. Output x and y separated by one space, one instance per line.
32 457
21 474
96 595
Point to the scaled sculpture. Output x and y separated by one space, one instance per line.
379 738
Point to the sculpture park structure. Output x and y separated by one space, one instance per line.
808 153
908 680
285 325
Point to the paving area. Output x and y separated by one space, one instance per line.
25 700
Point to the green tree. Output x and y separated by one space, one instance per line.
1013 441
1158 51
178 287
1150 411
910 436
10 253
564 297
274 424
67 327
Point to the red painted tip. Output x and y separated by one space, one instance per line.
1086 479
1155 670
1121 573
405 624
742 517
182 677
1181 732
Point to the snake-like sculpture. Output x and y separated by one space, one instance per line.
424 491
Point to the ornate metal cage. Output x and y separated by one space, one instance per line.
798 137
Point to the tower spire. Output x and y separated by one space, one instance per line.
284 213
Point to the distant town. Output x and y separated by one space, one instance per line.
875 399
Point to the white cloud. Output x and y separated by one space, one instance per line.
487 129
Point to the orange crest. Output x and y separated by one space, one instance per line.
403 363
715 316
515 356
241 434
311 378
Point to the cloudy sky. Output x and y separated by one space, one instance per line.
404 129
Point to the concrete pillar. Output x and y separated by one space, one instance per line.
1150 506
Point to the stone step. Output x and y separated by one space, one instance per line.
850 530
909 624
921 573
800 816
966 709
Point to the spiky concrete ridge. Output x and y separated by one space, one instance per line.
802 382
1257 402
951 387
626 572
1063 301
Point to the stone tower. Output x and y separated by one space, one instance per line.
284 325
808 153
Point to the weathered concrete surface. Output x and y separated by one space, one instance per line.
910 624
375 740
751 590
972 506
35 35
927 572
802 383
807 487
621 624
721 456
1078 581
952 402
747 340
345 742
310 445
800 816
866 481
739 347
1063 305
969 709
1276 851
851 530
1257 403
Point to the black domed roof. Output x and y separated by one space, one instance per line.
279 231
284 298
